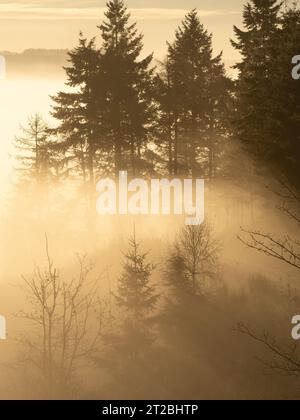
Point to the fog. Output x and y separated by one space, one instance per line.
250 287
249 203
19 99
146 306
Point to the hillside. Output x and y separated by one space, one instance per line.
35 63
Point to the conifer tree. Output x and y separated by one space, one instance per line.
285 95
135 292
34 154
131 344
196 83
78 133
166 93
125 81
39 167
191 54
267 119
220 106
257 46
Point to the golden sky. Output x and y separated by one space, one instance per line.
56 23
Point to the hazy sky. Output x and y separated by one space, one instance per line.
56 23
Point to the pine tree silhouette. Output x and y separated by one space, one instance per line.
78 133
129 349
126 83
194 96
257 44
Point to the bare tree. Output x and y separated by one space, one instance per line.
198 251
64 331
285 249
285 358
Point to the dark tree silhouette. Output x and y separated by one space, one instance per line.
285 357
78 135
129 348
125 81
194 100
63 332
33 150
196 250
267 117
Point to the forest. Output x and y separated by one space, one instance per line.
147 307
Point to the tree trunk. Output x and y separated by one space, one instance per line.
170 145
211 148
175 163
192 146
132 154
